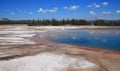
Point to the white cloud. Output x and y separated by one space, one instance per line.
92 13
105 3
42 10
47 10
118 11
74 7
106 12
89 6
12 13
97 6
93 5
65 7
53 10
19 10
31 13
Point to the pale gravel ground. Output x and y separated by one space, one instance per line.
48 62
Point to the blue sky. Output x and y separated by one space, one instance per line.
60 9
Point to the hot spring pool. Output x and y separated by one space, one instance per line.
105 38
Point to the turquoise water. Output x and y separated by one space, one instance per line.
105 39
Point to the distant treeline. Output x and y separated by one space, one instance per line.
13 22
63 22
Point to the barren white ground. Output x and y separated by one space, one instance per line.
47 62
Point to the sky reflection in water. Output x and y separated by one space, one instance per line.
105 39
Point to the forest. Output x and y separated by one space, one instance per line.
63 22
